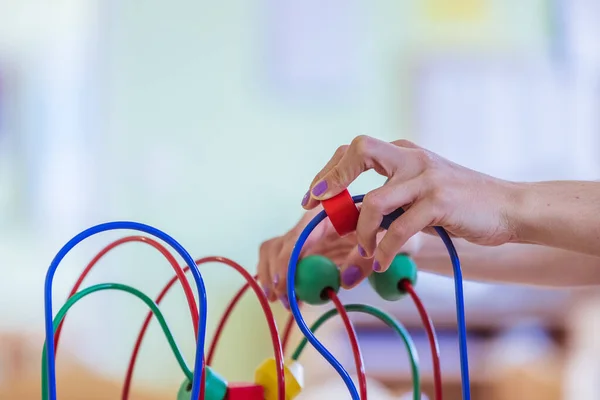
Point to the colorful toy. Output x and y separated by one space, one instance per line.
314 280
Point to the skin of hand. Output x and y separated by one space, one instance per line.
515 263
510 263
476 207
542 226
432 190
274 255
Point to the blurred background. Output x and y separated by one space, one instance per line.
209 120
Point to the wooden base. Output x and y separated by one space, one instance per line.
77 384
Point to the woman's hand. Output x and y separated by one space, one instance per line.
432 190
343 251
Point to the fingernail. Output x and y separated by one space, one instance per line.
351 275
376 266
361 251
267 291
305 199
276 279
319 188
284 300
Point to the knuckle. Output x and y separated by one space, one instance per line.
284 255
336 175
282 278
440 200
398 231
424 158
433 179
362 144
373 201
341 150
405 143
265 246
438 195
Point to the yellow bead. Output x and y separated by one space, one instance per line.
266 376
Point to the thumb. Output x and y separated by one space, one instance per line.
355 269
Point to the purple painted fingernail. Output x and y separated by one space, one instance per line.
284 300
267 291
376 266
351 275
319 188
276 279
305 199
361 251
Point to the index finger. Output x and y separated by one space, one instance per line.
363 154
308 202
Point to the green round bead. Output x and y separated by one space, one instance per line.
216 387
315 274
386 283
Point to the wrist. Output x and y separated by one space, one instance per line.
537 211
517 211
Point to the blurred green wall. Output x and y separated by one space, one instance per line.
204 143
216 153
196 127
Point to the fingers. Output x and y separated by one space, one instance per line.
308 202
380 202
406 144
264 271
419 216
274 256
400 157
279 268
280 260
364 153
355 269
272 269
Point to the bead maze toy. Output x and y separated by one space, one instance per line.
313 280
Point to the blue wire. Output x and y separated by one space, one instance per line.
458 290
291 289
137 227
460 312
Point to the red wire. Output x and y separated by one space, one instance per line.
435 348
227 313
138 342
264 302
142 239
358 359
251 282
179 274
287 331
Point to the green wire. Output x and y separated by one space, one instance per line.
389 321
114 286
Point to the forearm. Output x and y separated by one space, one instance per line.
562 214
511 263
